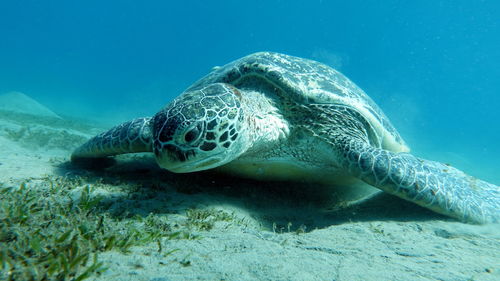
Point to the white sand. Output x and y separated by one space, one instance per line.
383 239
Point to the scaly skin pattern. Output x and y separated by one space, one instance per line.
430 184
176 128
129 137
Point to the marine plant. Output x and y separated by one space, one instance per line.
47 235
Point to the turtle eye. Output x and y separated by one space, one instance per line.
192 135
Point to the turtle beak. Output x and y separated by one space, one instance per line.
177 160
176 154
171 157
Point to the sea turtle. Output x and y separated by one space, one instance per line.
270 115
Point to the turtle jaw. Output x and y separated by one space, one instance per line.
195 166
178 161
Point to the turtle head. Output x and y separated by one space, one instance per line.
201 129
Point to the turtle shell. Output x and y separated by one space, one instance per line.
305 82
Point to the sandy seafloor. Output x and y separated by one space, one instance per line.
279 233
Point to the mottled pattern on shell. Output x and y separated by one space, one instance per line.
303 81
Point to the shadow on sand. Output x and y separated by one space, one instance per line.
272 204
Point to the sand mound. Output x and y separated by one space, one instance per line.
21 103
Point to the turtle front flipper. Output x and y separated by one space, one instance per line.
129 137
430 184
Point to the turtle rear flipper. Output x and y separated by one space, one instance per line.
129 137
430 184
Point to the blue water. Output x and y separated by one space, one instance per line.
433 66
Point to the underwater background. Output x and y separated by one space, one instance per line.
432 66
